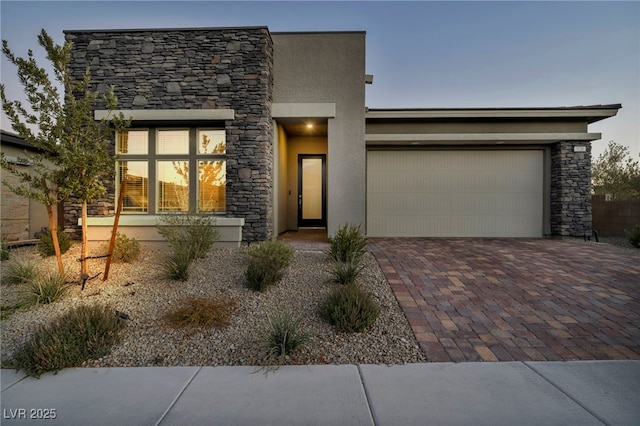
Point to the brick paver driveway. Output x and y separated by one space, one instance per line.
512 299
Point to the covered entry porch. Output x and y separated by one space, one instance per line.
301 164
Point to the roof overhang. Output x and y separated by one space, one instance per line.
484 126
590 113
13 139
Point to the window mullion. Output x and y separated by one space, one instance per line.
153 176
193 170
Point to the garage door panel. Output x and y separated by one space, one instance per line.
455 193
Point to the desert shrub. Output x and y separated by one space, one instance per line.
83 333
634 236
45 245
177 265
45 289
125 249
350 309
346 272
20 271
277 251
4 251
202 313
198 232
190 237
283 335
261 274
348 244
267 261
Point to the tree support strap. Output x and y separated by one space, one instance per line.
93 257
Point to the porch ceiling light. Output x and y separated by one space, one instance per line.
309 125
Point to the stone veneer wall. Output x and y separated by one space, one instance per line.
570 189
192 69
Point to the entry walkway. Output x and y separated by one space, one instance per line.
307 239
515 300
513 393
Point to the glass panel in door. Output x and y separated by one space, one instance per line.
311 194
312 188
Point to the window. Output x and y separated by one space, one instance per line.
134 144
212 173
136 193
186 168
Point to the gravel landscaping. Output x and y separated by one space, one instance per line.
140 291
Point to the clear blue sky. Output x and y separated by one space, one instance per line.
422 54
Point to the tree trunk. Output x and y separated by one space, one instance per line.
53 227
85 246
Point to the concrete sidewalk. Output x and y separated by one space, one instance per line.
509 393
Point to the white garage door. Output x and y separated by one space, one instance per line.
455 193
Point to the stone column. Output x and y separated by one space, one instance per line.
570 188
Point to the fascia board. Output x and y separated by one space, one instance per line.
454 114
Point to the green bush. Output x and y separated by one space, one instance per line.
45 289
125 249
346 272
634 236
277 251
348 244
45 245
283 335
202 313
198 232
20 271
350 309
261 274
83 333
190 237
267 261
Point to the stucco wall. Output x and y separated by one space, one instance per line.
282 173
219 68
15 209
330 68
458 126
21 216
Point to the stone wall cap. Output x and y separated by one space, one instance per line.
317 32
137 30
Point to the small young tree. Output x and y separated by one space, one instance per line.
615 172
74 155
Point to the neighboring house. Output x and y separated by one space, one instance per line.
270 132
21 217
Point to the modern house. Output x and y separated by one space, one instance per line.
270 132
22 218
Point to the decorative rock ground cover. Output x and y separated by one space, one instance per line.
140 291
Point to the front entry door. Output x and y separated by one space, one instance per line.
312 193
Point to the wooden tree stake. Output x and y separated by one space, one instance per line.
114 231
